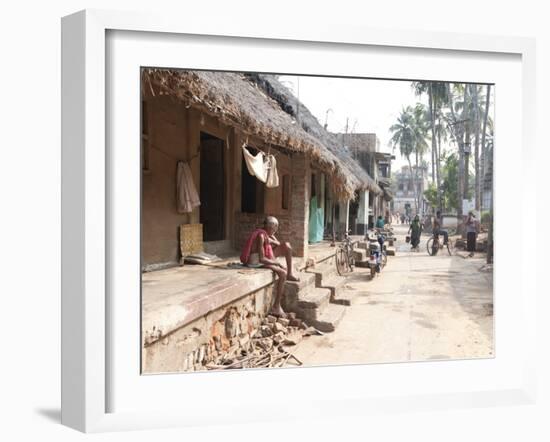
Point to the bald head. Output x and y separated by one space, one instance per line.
271 224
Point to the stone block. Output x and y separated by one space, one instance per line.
278 338
231 324
266 331
292 338
266 344
278 328
283 321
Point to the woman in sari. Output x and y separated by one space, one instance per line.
415 230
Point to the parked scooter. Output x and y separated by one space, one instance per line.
377 249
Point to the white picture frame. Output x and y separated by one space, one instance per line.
86 206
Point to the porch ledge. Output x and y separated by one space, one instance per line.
172 298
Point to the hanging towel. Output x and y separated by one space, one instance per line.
268 250
256 165
272 175
187 197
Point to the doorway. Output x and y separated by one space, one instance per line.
212 188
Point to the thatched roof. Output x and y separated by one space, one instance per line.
237 101
359 178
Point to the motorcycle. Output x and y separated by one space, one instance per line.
377 249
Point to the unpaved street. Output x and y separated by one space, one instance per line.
419 308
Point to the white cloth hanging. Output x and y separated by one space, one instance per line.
272 175
187 197
256 165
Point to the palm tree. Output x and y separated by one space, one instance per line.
421 127
437 98
459 133
409 135
484 155
486 120
403 137
441 132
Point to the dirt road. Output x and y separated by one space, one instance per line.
419 308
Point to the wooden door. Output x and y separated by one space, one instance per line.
212 188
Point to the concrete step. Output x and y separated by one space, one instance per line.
390 251
329 319
339 295
323 271
311 306
333 283
307 281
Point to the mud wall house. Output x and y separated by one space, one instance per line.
204 119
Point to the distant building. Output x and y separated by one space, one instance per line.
405 194
365 149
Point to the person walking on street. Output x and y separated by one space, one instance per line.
415 230
471 234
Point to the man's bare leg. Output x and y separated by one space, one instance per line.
286 250
277 309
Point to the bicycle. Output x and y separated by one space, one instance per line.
434 244
344 258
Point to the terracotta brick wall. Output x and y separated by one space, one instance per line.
293 227
247 222
299 204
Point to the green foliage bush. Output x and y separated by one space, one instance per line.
485 217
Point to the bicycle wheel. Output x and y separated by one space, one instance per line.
384 260
351 259
429 244
450 247
372 272
341 261
432 246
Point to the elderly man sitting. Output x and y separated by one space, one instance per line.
261 250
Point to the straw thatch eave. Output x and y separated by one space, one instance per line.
236 101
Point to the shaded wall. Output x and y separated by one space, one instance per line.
174 135
170 140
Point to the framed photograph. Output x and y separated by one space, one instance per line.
313 221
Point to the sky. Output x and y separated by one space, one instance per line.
368 106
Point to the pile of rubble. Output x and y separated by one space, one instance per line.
268 346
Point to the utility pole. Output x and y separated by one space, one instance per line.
326 117
345 134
